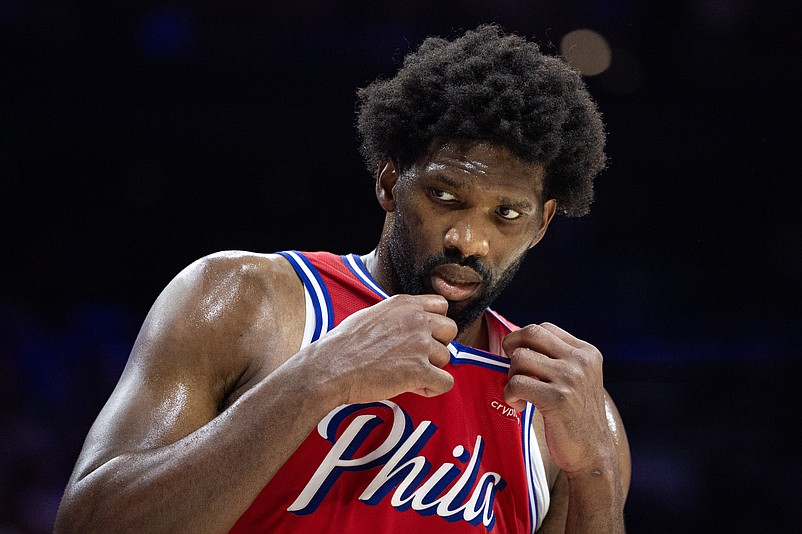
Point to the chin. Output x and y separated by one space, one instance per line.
464 314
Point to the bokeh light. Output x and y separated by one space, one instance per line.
587 51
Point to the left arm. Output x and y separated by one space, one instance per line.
562 376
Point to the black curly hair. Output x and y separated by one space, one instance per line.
489 86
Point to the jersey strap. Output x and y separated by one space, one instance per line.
317 294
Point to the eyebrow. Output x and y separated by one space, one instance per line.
447 180
519 205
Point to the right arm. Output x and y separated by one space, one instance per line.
162 457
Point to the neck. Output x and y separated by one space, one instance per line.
475 335
380 268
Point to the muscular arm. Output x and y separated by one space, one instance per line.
163 457
159 457
575 501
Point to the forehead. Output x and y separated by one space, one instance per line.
488 162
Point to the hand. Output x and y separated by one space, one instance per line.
395 346
562 376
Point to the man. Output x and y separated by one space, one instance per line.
315 392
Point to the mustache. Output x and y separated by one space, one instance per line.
453 256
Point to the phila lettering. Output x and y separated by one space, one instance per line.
405 474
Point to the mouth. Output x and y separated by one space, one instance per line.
455 282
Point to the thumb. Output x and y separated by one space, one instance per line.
517 403
438 381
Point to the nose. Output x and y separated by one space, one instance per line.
469 236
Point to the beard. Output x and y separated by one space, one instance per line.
413 276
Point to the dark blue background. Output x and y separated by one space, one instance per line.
137 137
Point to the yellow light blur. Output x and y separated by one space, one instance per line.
587 51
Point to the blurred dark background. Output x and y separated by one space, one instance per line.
136 137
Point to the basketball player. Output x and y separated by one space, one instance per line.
314 392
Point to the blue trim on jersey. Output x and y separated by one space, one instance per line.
360 270
461 354
317 291
526 436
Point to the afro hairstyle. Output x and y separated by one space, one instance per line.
488 86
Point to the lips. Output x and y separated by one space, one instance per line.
455 282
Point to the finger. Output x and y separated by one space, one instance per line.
425 312
525 364
444 329
432 315
436 382
439 356
528 362
564 336
518 405
432 303
535 337
582 352
521 388
528 370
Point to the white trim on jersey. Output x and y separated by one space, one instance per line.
310 321
539 495
361 271
464 354
321 318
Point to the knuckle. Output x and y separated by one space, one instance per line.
515 368
420 366
417 317
533 331
517 383
417 322
569 373
402 300
452 326
581 357
440 356
586 357
453 331
561 394
518 362
523 357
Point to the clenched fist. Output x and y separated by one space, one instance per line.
562 376
398 345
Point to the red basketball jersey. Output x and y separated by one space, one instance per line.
463 461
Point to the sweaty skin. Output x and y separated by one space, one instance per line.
249 394
216 374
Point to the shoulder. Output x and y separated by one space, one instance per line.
230 285
235 269
224 320
222 312
226 287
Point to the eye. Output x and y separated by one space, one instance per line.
445 196
508 213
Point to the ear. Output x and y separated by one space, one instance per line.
549 209
386 178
